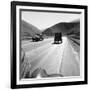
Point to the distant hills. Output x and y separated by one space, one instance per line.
28 30
65 27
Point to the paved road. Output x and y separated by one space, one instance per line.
54 58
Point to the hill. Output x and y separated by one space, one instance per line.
64 27
28 30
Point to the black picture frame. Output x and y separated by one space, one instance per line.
14 5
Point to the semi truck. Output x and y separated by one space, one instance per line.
58 38
37 37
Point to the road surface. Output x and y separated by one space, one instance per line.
53 58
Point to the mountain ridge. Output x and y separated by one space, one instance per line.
63 27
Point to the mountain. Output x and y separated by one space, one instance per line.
28 30
64 27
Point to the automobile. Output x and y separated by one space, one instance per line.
37 37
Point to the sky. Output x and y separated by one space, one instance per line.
43 20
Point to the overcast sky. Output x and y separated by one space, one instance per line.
44 20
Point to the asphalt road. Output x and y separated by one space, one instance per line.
54 58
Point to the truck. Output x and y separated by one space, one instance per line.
37 37
58 38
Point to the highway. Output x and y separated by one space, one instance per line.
53 58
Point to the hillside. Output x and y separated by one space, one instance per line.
64 27
28 30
